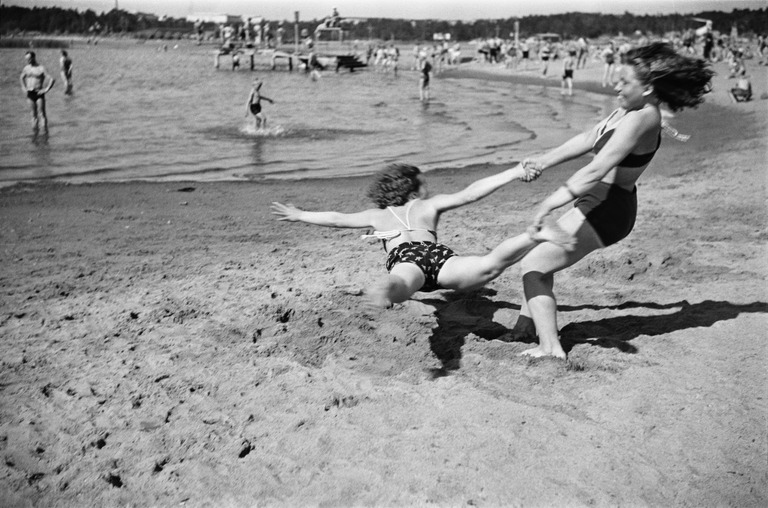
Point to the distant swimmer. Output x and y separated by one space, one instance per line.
66 71
33 78
425 68
253 106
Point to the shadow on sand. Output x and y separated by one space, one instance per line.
461 314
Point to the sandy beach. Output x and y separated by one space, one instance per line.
171 344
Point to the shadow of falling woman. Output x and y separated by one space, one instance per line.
458 315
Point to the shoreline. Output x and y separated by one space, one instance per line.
716 107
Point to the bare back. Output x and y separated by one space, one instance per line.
415 221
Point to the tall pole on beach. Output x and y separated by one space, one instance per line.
296 33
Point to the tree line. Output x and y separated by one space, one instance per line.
58 21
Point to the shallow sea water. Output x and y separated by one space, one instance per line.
140 113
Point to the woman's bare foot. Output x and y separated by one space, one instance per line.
553 234
540 352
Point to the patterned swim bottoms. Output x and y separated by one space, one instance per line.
428 256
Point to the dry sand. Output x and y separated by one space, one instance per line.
172 344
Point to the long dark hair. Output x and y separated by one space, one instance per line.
679 81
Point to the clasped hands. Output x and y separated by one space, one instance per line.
532 169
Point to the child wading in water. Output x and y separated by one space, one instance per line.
405 220
253 106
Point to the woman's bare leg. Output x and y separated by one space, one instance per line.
542 305
397 286
33 109
470 272
43 113
524 329
539 267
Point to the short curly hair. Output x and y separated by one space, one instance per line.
395 185
679 81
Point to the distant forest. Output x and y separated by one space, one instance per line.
57 21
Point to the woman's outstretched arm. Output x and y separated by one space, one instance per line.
481 188
330 219
574 147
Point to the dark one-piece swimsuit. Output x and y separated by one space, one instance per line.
610 209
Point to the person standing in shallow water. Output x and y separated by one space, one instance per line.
33 78
425 69
253 106
66 71
603 191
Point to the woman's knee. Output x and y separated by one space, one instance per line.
528 264
542 259
407 276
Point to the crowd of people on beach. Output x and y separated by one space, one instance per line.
539 53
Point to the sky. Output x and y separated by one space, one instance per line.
465 10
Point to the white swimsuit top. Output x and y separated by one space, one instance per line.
394 233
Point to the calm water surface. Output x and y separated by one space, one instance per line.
140 113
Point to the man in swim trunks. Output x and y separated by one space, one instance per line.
33 78
253 106
405 220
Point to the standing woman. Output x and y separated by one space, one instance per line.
545 54
609 66
604 190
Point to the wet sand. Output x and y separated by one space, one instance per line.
172 344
